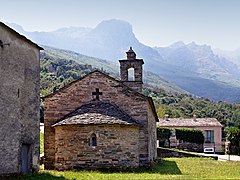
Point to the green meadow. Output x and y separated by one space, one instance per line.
168 168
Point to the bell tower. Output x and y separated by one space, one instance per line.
136 65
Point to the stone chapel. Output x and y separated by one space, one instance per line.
19 103
99 122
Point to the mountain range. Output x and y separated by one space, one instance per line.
197 69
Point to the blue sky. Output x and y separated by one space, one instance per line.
155 22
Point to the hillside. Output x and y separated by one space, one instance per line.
59 67
185 105
195 68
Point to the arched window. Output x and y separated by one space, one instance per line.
131 76
93 140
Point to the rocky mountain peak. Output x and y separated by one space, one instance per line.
114 25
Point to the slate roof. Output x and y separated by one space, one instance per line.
98 112
188 122
20 36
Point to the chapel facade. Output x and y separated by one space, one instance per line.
99 122
19 103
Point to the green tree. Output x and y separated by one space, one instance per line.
233 135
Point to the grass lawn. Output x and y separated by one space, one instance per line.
41 143
169 168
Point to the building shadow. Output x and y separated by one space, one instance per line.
37 176
159 167
166 167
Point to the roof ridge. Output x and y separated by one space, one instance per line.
99 71
149 99
21 36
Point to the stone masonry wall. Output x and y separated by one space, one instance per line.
117 147
152 135
19 102
190 147
134 85
80 92
137 65
126 64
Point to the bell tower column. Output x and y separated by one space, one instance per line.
136 64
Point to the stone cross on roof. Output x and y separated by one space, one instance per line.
97 93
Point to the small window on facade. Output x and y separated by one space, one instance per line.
209 136
173 132
93 141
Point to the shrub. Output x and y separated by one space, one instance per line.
190 135
163 134
233 135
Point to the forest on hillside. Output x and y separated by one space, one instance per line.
186 105
57 72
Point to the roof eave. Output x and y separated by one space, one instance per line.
21 36
79 124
